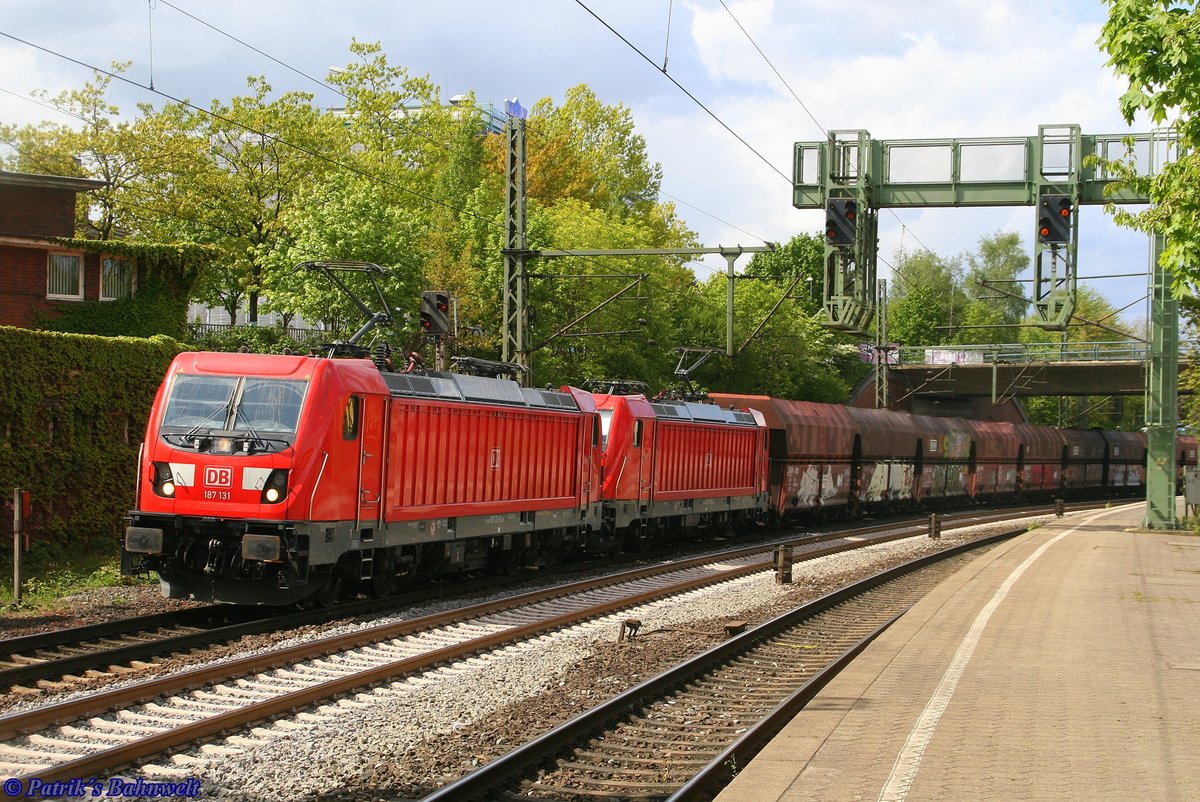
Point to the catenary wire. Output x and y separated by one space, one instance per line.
683 89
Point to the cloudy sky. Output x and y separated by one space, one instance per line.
899 69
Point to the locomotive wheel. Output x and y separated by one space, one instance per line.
383 581
329 594
382 586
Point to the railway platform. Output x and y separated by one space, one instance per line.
1060 665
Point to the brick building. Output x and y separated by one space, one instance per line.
36 272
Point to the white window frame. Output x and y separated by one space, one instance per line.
60 296
104 257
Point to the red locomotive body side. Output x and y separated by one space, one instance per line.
671 461
705 460
452 460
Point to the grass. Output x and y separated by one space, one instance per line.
50 577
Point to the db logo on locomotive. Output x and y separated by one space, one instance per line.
218 476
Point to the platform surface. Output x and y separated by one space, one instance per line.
1061 665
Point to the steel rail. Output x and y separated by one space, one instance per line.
25 644
101 702
118 756
262 619
490 777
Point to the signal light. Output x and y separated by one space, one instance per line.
435 313
1054 218
841 221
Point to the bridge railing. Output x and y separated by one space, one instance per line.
1008 353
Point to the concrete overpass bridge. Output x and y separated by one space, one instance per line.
1018 370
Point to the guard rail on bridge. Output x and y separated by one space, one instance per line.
1021 369
1017 353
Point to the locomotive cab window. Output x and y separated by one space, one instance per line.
606 416
637 434
350 418
204 409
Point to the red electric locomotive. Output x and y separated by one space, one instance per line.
675 466
270 479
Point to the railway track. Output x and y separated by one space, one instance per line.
684 732
104 731
58 660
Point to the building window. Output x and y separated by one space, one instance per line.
116 278
64 276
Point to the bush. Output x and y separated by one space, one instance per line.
73 411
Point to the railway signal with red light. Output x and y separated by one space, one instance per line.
1054 218
435 313
841 221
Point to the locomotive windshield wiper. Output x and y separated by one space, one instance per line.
223 410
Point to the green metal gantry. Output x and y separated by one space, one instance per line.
996 171
985 171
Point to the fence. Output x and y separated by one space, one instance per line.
301 335
1032 352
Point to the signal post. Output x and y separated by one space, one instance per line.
436 323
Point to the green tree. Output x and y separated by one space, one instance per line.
794 356
587 150
1155 45
590 186
994 296
407 166
926 299
642 324
803 255
255 155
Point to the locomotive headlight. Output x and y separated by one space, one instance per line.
163 479
276 487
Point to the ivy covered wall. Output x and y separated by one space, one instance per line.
166 275
73 412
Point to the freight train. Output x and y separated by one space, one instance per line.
278 479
